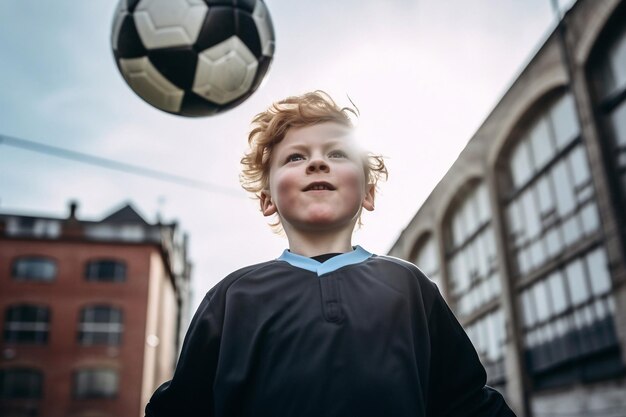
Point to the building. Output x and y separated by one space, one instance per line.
91 312
526 233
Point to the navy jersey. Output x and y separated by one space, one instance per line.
356 335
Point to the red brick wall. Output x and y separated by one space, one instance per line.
65 297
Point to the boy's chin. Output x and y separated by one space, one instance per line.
325 224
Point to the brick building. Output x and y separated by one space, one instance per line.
91 312
526 233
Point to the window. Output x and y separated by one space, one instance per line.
96 383
567 314
33 227
106 270
488 336
472 257
33 268
100 325
20 383
550 204
610 79
427 259
27 324
474 283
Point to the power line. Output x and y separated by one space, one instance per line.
116 165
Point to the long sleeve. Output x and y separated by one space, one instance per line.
457 378
190 392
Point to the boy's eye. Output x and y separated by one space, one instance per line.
294 157
337 154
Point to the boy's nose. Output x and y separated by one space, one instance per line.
316 165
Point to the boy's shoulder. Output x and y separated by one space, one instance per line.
406 265
241 273
427 286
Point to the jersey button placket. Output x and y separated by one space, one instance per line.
331 298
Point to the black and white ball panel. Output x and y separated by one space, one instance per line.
166 23
193 57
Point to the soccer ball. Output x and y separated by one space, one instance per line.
193 57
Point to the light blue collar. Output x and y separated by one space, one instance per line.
320 268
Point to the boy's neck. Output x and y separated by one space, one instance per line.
318 244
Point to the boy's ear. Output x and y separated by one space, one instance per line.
267 205
370 194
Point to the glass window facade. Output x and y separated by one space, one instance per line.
100 325
34 268
610 78
20 383
551 212
472 257
568 313
427 260
550 204
106 270
96 383
28 324
474 282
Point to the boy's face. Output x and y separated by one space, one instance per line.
317 180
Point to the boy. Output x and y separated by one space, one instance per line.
327 329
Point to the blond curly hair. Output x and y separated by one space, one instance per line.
270 127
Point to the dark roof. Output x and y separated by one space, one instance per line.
126 214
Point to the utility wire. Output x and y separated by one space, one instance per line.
116 165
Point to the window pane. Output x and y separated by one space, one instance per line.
597 265
523 261
571 230
541 144
495 282
483 257
482 336
565 121
537 253
100 325
557 292
541 301
500 330
565 197
579 165
36 269
527 309
544 194
492 343
20 384
490 245
553 241
106 271
521 170
470 215
576 281
589 217
426 258
453 265
469 255
531 215
98 383
27 324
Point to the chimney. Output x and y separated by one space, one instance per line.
73 207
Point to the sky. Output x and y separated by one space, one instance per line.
423 73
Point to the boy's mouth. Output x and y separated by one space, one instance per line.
319 186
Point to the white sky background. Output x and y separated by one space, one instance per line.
424 74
